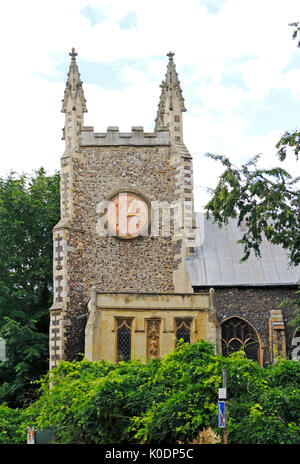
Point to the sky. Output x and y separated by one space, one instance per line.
237 63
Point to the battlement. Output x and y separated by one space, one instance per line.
136 137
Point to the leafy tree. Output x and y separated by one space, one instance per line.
26 359
267 200
29 208
169 400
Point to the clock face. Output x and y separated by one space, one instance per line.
127 215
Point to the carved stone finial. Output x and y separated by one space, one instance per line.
171 102
73 54
73 105
74 90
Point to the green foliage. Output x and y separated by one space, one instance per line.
185 395
26 352
275 418
295 322
92 401
12 425
29 208
245 377
103 402
263 429
285 373
267 200
270 412
167 400
288 140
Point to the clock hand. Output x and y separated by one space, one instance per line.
131 205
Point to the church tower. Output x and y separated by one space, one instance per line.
121 285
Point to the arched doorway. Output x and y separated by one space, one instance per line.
238 334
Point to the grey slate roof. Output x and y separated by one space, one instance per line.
216 260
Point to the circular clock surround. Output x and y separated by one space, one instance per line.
128 214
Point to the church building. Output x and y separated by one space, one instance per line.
135 267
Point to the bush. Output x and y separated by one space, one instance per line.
164 401
11 425
284 373
263 429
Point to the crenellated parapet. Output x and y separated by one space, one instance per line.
113 137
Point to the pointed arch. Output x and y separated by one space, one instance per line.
238 334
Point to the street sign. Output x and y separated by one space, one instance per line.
222 394
221 414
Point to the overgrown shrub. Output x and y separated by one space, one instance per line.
164 401
11 425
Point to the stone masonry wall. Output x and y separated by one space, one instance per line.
144 264
254 304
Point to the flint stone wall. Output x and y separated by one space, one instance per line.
108 263
254 304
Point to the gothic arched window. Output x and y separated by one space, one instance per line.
123 339
183 330
237 334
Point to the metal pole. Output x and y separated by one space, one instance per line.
224 379
225 429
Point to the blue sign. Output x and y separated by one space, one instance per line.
221 414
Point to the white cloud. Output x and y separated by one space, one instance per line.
248 38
